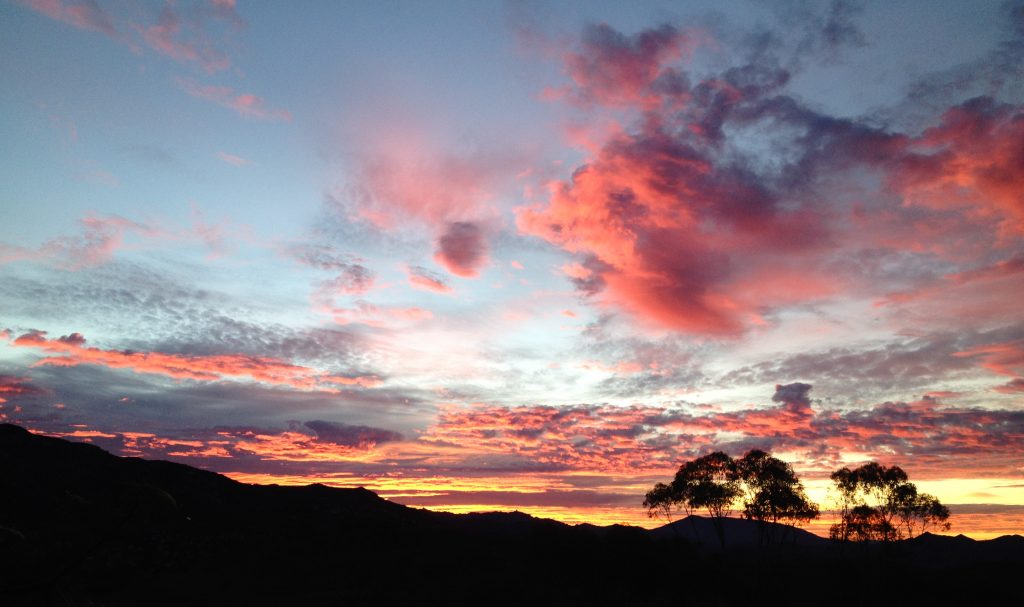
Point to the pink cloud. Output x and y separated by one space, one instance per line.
1003 358
406 181
14 387
100 238
165 36
669 220
83 14
70 350
245 104
422 278
232 159
610 439
366 313
1014 386
612 69
971 161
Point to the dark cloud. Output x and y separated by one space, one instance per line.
905 366
352 278
351 436
827 33
15 388
462 248
611 68
796 395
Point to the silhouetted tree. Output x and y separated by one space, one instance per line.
918 512
773 493
879 503
771 490
710 483
660 501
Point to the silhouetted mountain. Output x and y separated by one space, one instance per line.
739 533
79 526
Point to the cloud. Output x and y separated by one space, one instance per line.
70 350
232 159
362 437
245 104
245 447
609 438
184 33
406 185
15 387
365 313
462 249
100 238
352 277
612 69
166 37
711 204
1001 358
422 278
793 396
902 365
1014 386
83 14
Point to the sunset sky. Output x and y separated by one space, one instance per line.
520 255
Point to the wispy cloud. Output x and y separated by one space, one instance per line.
233 159
83 14
422 278
245 104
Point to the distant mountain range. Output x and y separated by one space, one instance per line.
79 526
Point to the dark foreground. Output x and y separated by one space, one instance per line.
79 526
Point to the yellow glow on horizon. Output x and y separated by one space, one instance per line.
410 490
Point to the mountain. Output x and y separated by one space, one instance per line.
738 533
79 526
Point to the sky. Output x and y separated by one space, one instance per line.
520 255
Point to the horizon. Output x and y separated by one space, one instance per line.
819 527
520 255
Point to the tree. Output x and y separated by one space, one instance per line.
660 501
714 482
773 493
709 482
879 503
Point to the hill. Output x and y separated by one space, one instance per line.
738 534
79 526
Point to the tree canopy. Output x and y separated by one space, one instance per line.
773 491
878 503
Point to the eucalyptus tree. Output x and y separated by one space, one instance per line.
773 492
879 503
